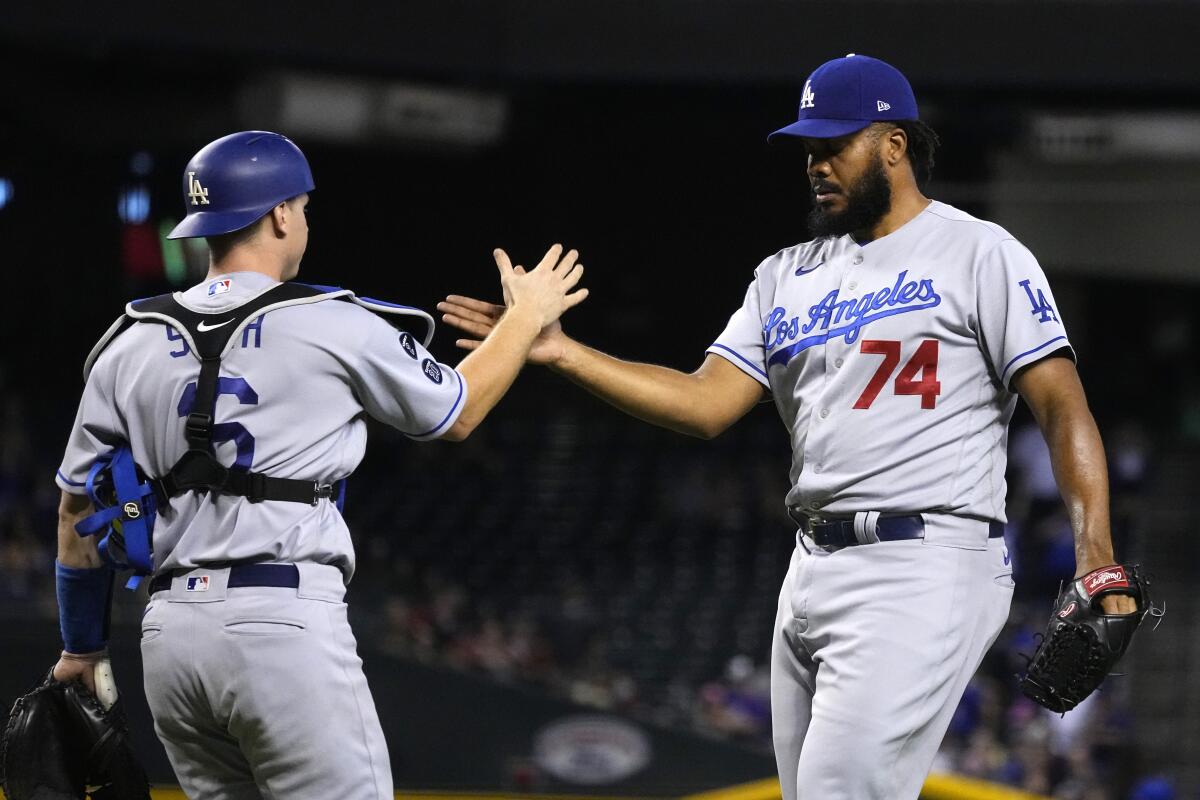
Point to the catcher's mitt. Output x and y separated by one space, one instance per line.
1082 643
61 744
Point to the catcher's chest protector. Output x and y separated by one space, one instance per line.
121 490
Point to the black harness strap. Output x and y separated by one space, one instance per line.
199 426
198 468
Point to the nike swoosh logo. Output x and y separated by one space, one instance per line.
204 327
806 270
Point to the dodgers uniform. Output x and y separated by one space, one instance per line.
250 686
891 364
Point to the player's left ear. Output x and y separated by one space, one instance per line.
280 218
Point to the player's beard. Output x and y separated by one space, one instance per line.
868 198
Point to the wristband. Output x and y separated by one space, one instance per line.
83 603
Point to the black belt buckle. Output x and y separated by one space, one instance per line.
823 532
321 491
833 534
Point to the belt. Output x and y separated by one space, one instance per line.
840 532
281 575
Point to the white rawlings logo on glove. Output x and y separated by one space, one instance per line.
1105 578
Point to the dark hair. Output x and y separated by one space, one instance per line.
922 144
220 245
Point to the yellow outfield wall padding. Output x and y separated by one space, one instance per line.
956 787
766 789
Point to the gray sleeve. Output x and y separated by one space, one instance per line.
97 431
741 343
398 382
1018 318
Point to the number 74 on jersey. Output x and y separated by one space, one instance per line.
923 362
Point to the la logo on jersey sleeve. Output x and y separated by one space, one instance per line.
1041 306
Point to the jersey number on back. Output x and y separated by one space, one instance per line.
923 361
227 431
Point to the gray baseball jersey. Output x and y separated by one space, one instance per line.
891 363
293 391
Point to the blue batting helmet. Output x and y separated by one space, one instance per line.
237 179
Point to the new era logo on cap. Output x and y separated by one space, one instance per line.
852 91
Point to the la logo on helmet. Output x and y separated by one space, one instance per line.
197 192
807 98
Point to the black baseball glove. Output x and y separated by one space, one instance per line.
61 744
1082 643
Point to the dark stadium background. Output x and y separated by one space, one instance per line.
634 132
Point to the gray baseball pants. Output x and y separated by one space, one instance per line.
873 648
258 692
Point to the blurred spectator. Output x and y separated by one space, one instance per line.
1154 787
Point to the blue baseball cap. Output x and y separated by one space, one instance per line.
848 94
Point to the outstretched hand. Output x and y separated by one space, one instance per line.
477 318
543 290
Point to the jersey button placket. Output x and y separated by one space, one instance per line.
814 450
835 347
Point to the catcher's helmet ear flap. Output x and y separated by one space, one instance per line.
237 179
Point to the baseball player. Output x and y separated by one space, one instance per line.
233 412
895 345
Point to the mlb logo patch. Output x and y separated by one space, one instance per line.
199 583
219 287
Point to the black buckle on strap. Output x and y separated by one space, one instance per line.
198 427
321 491
256 487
